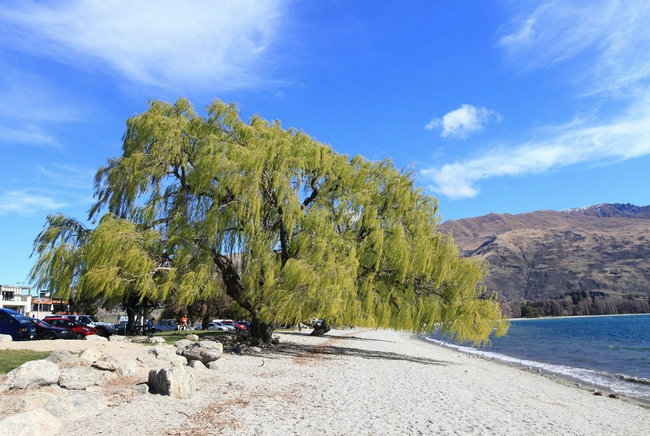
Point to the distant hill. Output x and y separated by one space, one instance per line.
596 254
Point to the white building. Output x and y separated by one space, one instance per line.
17 298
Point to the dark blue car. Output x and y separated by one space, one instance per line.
17 325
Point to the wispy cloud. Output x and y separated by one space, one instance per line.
464 121
613 33
611 41
26 134
69 176
624 138
165 43
25 202
30 104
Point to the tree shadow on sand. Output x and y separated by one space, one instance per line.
347 338
325 351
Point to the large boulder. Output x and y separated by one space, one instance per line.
197 364
80 377
34 422
91 354
204 355
96 338
155 340
183 343
177 382
109 363
212 345
6 338
33 374
192 337
167 353
59 356
68 405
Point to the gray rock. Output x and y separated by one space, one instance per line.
141 388
197 364
74 361
213 365
205 355
192 337
127 369
80 377
35 422
69 405
168 353
184 343
96 338
213 345
6 338
107 363
33 374
118 338
91 354
59 356
177 382
155 340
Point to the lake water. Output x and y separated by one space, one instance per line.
602 351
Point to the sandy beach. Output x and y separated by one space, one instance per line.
362 382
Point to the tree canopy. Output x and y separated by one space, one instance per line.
285 226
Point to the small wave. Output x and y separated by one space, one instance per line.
632 379
636 387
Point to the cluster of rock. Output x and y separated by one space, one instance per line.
68 386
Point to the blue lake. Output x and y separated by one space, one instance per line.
603 351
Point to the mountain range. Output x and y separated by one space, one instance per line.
596 251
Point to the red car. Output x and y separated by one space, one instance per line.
239 327
79 330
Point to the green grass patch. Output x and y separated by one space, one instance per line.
10 359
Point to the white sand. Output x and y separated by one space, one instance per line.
359 382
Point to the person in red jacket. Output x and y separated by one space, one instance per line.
184 322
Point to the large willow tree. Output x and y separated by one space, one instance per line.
287 227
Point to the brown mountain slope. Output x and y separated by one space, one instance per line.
548 254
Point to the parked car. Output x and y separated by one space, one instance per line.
16 324
80 331
166 325
216 325
103 328
48 331
238 326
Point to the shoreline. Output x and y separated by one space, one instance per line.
353 381
563 379
578 316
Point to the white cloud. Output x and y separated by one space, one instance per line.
165 43
463 121
26 134
613 33
624 138
610 39
24 202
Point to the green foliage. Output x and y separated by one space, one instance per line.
288 228
12 359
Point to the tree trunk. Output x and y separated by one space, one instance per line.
205 321
131 306
320 329
263 332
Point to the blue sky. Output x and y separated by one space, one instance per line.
502 106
